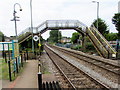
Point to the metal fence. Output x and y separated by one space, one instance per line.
14 64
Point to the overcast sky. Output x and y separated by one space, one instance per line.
82 10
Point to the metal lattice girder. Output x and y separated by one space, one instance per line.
54 24
60 24
98 40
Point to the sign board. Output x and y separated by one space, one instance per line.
5 46
39 44
16 49
35 38
13 46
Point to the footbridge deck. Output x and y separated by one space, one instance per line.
98 40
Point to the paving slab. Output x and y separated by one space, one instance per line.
28 78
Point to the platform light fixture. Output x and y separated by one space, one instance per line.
15 17
97 11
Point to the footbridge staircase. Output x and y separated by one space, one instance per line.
98 40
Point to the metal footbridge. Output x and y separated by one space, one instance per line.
98 40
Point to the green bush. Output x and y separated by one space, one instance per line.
90 46
76 47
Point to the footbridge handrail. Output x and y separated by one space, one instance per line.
102 38
24 31
61 24
100 42
55 24
101 49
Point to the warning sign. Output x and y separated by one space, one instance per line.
39 44
36 38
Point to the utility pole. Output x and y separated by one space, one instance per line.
97 11
31 25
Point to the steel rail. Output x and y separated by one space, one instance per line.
95 80
73 87
71 53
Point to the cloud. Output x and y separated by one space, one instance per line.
83 10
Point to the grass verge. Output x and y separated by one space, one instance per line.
5 73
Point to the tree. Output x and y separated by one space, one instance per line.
102 27
28 43
55 36
116 21
1 37
75 37
111 36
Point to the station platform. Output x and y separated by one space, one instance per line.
28 78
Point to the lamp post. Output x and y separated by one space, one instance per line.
31 25
97 11
15 17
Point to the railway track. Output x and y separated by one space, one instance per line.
104 65
73 75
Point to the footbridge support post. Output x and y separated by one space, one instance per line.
39 44
83 42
